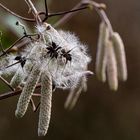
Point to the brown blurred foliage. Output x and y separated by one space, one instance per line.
99 114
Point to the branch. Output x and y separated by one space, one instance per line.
7 83
65 12
14 14
67 17
1 46
46 8
34 11
36 14
17 41
100 10
99 7
14 93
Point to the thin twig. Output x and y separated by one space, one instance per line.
36 14
5 51
7 83
37 107
100 10
99 7
1 46
32 104
34 11
11 12
66 12
46 8
17 41
13 64
106 20
67 17
14 93
36 95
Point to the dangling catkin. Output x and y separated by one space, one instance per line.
17 78
27 91
84 83
72 98
120 56
100 57
111 67
46 103
74 95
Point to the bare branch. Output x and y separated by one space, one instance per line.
67 17
46 8
16 42
34 11
65 12
99 7
7 83
100 10
14 14
17 92
32 104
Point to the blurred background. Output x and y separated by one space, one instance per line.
100 114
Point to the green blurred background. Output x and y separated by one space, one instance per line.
100 114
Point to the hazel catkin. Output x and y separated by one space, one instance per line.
101 56
120 56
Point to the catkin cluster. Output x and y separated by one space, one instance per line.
56 60
110 59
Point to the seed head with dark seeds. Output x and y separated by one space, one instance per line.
53 50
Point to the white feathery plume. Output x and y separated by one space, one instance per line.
60 71
72 80
78 50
